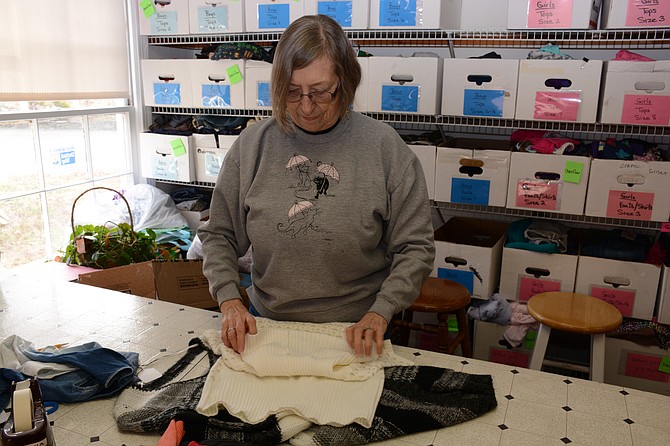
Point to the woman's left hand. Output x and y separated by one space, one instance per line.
362 334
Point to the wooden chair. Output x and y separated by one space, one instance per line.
444 297
574 313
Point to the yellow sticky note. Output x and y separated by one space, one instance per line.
178 148
234 74
148 8
573 171
664 366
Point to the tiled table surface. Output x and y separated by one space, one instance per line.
534 408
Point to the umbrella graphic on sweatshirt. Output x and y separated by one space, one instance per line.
328 170
299 207
296 161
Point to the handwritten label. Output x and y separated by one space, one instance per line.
215 95
147 7
164 22
234 74
465 278
646 13
557 105
645 109
165 167
623 300
397 13
212 19
530 286
167 94
549 13
400 98
178 148
508 357
273 16
664 366
483 103
213 163
665 227
340 11
645 367
573 171
263 97
470 191
627 204
537 194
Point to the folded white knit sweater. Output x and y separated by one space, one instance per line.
296 368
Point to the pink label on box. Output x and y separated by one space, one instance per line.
508 357
665 227
627 204
557 105
537 194
645 109
623 300
530 286
648 13
645 367
549 14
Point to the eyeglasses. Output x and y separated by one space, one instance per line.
320 97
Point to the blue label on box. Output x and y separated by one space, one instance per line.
215 95
165 22
264 98
213 163
167 94
273 16
165 167
465 278
397 13
483 103
400 98
212 19
470 191
341 12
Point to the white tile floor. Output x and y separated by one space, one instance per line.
534 408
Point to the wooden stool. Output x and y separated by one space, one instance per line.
444 297
574 313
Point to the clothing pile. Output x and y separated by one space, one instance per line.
301 383
502 312
544 236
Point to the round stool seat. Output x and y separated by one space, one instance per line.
439 295
574 312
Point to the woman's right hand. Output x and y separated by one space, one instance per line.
236 322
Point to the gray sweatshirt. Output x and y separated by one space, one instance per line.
339 222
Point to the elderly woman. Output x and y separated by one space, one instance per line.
333 203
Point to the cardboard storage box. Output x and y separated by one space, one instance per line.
350 14
257 86
271 15
164 18
480 87
636 190
427 14
618 14
210 150
636 366
426 154
167 157
558 90
663 299
220 16
636 93
469 251
167 82
218 83
181 282
525 273
405 84
546 182
472 171
195 219
487 345
531 14
629 286
477 15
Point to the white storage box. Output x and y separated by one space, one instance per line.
164 18
426 154
218 83
480 87
426 14
559 14
478 15
634 366
167 82
405 84
220 16
210 150
629 286
526 273
636 190
257 87
195 219
487 346
472 171
167 157
558 90
271 15
361 97
469 251
350 14
546 182
636 93
618 14
663 299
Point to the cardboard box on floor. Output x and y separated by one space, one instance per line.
180 281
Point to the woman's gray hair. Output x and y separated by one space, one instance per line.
305 40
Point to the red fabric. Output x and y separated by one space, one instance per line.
540 140
172 435
628 55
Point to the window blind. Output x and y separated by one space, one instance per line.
63 50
